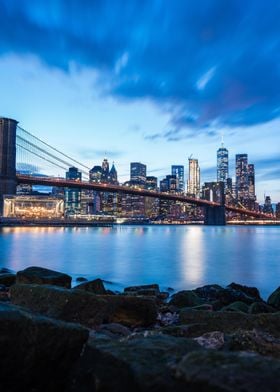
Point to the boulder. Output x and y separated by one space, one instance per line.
254 341
93 286
37 353
229 322
60 303
252 292
132 364
153 286
41 275
84 307
81 279
274 299
221 371
7 279
237 306
261 307
225 296
113 330
211 340
185 298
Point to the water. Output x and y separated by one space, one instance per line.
181 257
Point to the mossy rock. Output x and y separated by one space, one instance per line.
237 306
185 298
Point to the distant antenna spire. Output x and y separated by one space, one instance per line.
222 137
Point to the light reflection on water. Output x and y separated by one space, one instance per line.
181 257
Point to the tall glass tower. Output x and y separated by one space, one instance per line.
241 173
194 178
178 171
222 164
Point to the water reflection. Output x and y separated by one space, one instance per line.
182 257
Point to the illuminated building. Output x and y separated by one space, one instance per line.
33 207
178 171
194 178
251 181
73 196
105 171
138 172
267 208
151 183
222 164
241 172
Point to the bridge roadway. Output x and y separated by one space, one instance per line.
61 182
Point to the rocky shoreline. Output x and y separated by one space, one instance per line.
57 338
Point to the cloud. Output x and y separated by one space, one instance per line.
88 153
210 63
27 168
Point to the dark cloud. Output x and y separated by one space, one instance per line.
210 63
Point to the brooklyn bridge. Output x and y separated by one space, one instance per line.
16 141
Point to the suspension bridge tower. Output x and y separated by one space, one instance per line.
8 129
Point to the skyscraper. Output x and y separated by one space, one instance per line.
138 172
73 196
105 171
178 171
241 172
222 164
194 178
251 182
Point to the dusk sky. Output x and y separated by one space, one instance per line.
152 81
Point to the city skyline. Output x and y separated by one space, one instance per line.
137 90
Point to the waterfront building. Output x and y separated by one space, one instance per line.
267 208
151 183
33 207
178 171
73 196
222 164
241 172
138 172
277 211
194 178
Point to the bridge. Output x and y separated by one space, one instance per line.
15 141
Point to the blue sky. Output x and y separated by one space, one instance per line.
150 80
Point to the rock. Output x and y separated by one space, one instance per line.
211 340
261 307
84 307
3 288
94 286
274 299
136 364
254 341
114 330
167 318
37 353
185 298
228 372
60 303
7 279
237 306
205 307
143 287
224 296
81 279
179 330
5 271
229 322
163 295
252 292
41 275
130 311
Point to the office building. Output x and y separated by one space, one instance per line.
241 173
73 195
222 164
251 182
138 172
178 171
194 178
267 208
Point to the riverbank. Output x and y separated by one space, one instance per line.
85 338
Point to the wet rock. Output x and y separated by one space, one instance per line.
84 307
81 279
237 306
5 271
167 318
274 299
205 307
138 364
7 279
39 275
114 330
254 341
252 292
185 298
57 302
93 286
37 353
229 322
261 307
224 296
179 330
228 372
211 340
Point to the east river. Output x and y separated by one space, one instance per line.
180 257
